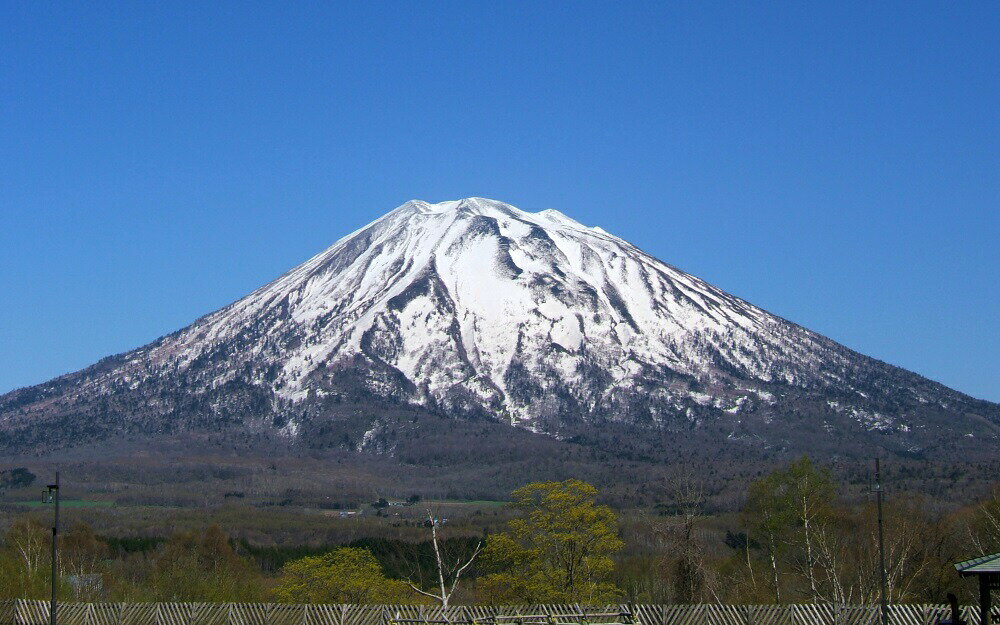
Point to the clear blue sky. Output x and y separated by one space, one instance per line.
834 163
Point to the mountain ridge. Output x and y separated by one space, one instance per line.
475 309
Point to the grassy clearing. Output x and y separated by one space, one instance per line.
483 503
67 503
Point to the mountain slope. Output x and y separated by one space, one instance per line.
475 309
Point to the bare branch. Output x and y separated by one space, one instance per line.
423 592
462 568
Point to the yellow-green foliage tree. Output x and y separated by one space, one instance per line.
559 551
82 555
344 575
200 566
25 561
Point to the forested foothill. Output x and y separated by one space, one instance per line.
798 533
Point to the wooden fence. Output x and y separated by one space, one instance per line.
23 612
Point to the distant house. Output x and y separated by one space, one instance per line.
90 584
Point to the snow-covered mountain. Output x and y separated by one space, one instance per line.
474 308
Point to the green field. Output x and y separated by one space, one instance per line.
486 503
65 503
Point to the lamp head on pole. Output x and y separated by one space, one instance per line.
877 482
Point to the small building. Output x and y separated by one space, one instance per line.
987 569
90 584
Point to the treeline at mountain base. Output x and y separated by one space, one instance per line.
795 540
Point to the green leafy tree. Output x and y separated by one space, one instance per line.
786 512
558 551
812 492
344 575
768 517
16 478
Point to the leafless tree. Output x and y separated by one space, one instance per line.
693 580
847 566
830 553
984 532
906 537
448 571
28 538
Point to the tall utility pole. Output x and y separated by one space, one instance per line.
54 497
881 546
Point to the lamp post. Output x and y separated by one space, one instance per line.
52 496
883 601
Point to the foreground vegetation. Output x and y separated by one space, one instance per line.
795 539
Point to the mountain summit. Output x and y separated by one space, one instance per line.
474 309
